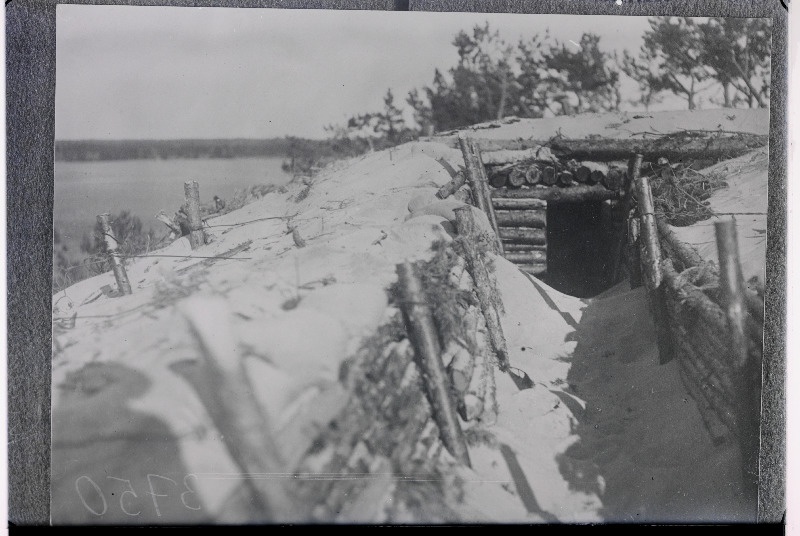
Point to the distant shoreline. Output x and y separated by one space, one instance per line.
103 150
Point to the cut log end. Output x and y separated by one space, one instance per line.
549 177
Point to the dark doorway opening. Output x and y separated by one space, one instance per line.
580 247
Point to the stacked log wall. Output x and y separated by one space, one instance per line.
702 339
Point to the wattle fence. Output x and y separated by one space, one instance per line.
709 322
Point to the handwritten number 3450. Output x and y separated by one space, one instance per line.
123 498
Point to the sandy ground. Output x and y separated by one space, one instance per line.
604 434
745 200
623 125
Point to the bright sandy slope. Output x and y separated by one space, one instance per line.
357 226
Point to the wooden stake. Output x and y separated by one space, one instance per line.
425 340
243 425
117 267
630 179
483 185
649 234
471 171
487 294
197 236
651 268
634 259
747 375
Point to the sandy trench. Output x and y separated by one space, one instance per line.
605 434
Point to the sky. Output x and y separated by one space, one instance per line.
134 72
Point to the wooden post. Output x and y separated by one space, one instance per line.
651 268
732 289
117 267
470 171
746 373
425 340
197 236
634 258
630 180
649 234
243 425
487 295
483 185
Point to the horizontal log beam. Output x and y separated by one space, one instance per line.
527 257
524 235
522 218
574 194
499 158
676 147
501 203
513 246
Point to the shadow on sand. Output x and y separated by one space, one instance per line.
643 447
111 464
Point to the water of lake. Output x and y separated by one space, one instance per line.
85 189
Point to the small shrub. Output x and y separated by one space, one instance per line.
680 195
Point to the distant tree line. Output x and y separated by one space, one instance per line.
542 76
288 146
